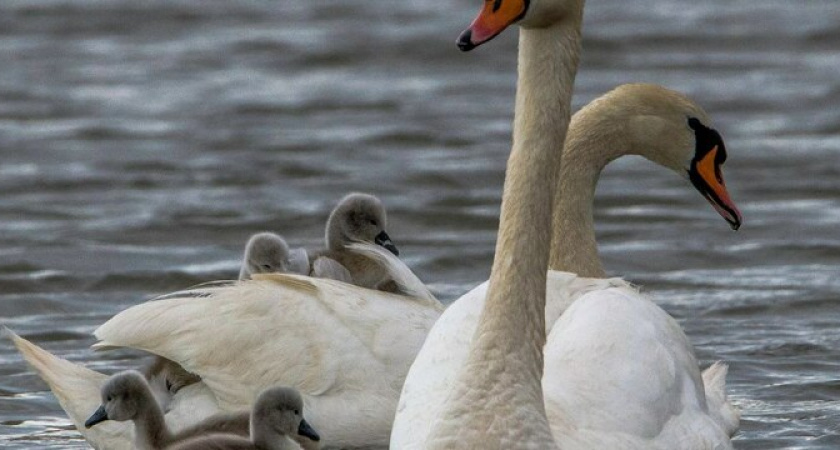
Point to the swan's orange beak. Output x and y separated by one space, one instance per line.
706 176
495 16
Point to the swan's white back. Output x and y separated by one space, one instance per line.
347 349
619 373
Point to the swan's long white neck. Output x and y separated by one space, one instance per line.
498 400
594 140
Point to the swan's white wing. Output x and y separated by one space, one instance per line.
325 267
619 371
406 280
641 340
347 349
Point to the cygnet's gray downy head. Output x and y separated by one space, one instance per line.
359 218
265 253
124 396
279 410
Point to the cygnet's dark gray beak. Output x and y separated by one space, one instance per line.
384 240
99 416
306 430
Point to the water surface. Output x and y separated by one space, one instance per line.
141 143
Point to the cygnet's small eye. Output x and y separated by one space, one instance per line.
297 412
373 222
266 266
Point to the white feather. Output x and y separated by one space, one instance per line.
347 349
619 371
398 271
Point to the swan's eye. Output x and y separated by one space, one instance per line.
297 412
168 385
373 222
266 266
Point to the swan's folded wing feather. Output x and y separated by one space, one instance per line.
398 271
618 366
312 334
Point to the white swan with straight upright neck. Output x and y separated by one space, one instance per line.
496 398
619 371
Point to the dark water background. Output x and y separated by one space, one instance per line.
141 142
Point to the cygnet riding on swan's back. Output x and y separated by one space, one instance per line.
339 344
619 372
269 253
358 218
127 397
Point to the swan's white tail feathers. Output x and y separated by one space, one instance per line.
714 381
405 279
77 389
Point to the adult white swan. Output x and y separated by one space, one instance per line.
619 371
494 398
345 348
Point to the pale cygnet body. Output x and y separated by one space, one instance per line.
356 218
276 420
269 253
127 396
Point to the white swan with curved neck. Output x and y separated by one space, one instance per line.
619 371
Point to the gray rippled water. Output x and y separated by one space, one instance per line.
142 142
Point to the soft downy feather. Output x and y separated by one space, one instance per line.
407 282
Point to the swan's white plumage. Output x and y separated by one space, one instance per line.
617 367
347 349
620 370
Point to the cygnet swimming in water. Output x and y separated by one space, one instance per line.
276 421
127 396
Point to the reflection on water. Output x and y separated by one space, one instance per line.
142 142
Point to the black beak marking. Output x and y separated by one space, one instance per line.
304 429
100 415
465 41
385 241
